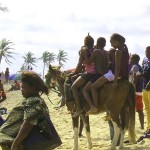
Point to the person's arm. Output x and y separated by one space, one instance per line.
23 132
107 59
92 58
79 65
135 70
118 57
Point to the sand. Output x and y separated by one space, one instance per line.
63 123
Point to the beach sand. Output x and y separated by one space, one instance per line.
63 123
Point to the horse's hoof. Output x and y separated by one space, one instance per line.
90 146
113 148
120 147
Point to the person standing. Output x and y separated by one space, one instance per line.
7 75
138 83
146 91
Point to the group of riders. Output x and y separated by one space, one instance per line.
96 66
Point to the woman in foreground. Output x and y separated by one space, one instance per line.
21 127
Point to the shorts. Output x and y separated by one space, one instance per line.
87 76
139 103
95 77
109 75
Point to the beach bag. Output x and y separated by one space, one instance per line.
1 121
42 136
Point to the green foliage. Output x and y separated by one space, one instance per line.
29 59
62 57
47 58
5 51
3 8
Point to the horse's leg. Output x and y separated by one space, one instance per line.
75 121
124 124
122 138
116 135
87 130
81 127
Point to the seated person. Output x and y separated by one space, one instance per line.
1 121
100 58
89 72
2 92
28 118
15 86
118 58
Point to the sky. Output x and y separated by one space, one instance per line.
50 25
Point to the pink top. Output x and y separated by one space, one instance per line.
90 68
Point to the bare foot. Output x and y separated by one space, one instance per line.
92 110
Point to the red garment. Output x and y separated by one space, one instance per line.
2 93
17 85
139 103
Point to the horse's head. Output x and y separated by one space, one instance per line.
54 71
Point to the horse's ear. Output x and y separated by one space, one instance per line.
58 67
50 67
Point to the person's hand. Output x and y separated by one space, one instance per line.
148 86
70 75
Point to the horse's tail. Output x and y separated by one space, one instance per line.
131 104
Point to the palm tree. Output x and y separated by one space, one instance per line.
5 47
51 58
3 8
47 58
22 68
62 57
29 59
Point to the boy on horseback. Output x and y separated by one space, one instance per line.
118 69
89 71
138 83
100 58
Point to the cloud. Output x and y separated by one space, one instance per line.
51 25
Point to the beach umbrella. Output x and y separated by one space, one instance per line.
11 77
17 77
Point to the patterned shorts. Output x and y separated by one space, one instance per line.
109 75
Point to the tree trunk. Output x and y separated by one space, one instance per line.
43 70
0 59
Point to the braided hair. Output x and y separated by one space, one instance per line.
89 41
33 80
120 39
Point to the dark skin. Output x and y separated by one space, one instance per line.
147 53
135 79
86 90
135 76
102 80
27 91
83 57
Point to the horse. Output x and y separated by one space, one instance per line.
119 102
56 83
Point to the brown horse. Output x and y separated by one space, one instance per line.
118 102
